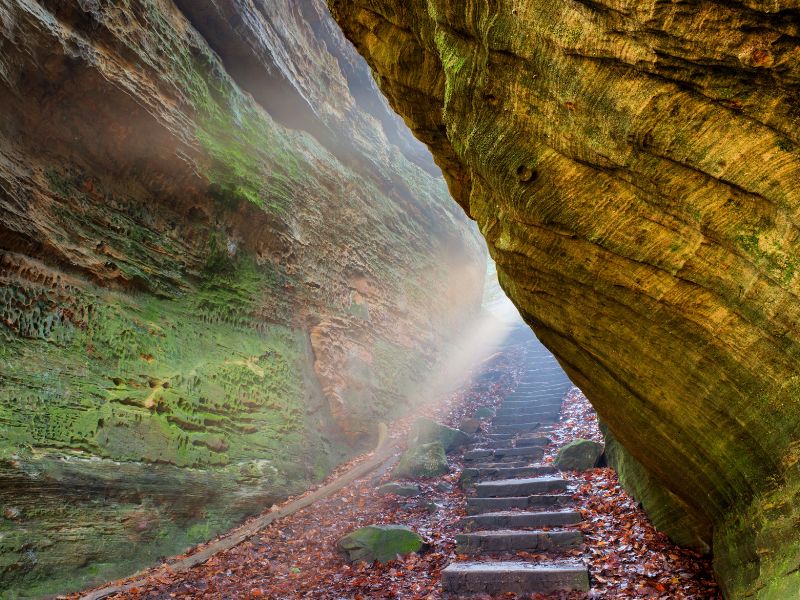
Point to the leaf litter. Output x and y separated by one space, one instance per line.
296 557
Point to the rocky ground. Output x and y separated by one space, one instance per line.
297 557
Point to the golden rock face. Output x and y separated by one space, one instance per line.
635 170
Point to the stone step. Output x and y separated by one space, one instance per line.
503 454
531 421
526 440
532 399
493 473
520 520
527 403
542 389
504 488
536 383
530 452
518 407
477 506
500 436
511 464
523 428
514 577
535 439
516 411
529 414
511 540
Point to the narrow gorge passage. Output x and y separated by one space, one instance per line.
502 521
347 258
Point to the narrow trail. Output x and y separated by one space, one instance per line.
519 504
504 523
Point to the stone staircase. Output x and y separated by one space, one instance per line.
518 504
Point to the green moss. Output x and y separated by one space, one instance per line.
380 542
423 460
771 257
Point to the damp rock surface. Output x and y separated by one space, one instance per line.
635 170
222 262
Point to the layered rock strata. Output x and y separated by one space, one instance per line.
222 260
635 169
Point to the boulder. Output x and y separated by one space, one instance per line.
423 460
380 542
484 412
425 431
400 489
578 455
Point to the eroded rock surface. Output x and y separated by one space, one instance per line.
635 169
222 261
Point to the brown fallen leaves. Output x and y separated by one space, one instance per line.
296 557
627 557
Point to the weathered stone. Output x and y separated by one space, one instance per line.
222 260
579 455
465 579
520 487
510 540
470 475
538 502
424 460
637 178
380 542
425 431
526 427
517 452
399 489
520 520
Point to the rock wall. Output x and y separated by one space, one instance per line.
222 260
635 169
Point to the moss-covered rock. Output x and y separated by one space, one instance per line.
380 542
423 460
425 431
578 455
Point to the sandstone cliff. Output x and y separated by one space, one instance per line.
222 260
635 169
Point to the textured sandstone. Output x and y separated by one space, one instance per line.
221 262
635 169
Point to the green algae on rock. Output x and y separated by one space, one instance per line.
422 460
380 542
637 179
